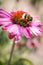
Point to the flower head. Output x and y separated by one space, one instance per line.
20 23
33 43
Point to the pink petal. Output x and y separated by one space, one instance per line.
5 12
26 32
41 29
5 21
35 30
13 29
3 16
35 22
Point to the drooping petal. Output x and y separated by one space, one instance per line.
26 32
13 29
3 16
36 22
5 12
35 30
41 29
5 21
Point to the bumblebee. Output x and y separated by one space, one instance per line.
22 18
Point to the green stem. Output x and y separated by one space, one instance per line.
11 53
